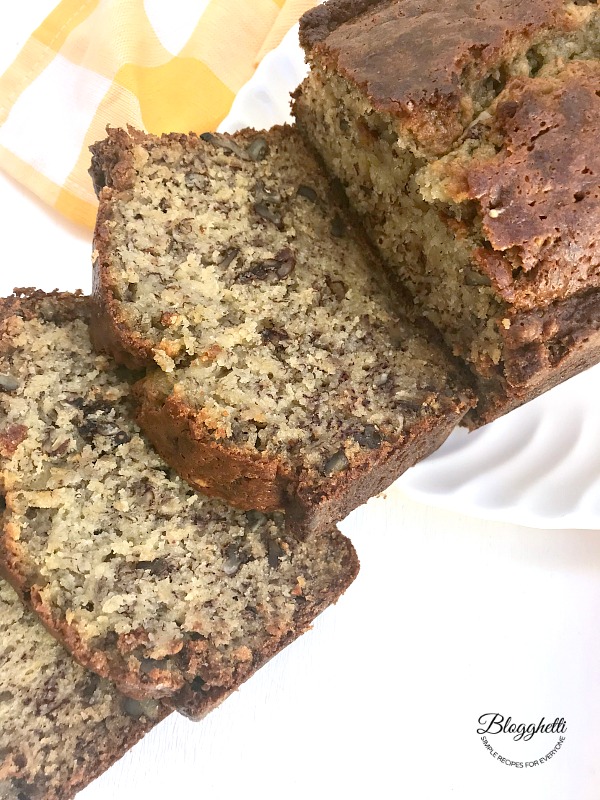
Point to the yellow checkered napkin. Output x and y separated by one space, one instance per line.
98 62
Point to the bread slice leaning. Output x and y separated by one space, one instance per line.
60 725
282 372
168 594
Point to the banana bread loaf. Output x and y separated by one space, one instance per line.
60 725
464 134
288 377
167 593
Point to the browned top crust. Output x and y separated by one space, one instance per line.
58 307
420 60
319 22
539 193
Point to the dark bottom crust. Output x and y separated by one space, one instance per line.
28 590
194 704
209 466
264 484
497 399
544 348
309 510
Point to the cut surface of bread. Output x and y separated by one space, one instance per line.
474 171
167 593
60 725
288 376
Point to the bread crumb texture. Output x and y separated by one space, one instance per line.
150 584
231 263
60 725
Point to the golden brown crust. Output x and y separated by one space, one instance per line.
319 22
417 59
539 200
524 175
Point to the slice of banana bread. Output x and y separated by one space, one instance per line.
288 377
497 241
60 725
165 592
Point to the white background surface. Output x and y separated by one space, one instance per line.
451 617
